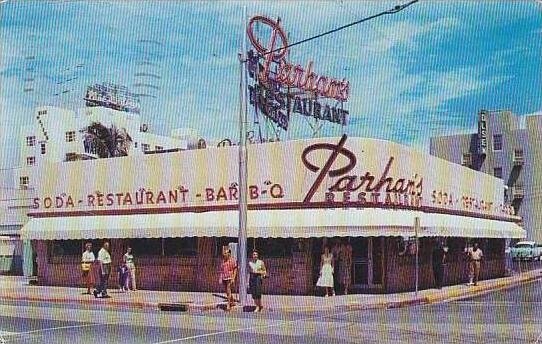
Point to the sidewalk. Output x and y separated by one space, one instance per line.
16 288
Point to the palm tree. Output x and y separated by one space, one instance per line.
106 142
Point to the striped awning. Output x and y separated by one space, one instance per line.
298 223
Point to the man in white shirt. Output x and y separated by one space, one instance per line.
104 260
475 256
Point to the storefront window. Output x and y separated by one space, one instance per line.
494 248
181 246
146 247
224 241
63 248
456 249
165 247
274 248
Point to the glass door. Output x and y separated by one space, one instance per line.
367 261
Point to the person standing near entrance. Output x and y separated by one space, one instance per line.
130 282
438 257
475 256
257 274
104 260
228 273
336 252
345 267
87 260
326 272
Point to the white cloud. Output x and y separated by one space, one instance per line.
406 33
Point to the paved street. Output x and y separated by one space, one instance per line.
511 316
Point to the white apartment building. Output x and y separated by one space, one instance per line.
58 134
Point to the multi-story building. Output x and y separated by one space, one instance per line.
509 147
59 134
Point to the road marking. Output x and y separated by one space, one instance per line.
6 333
52 329
280 323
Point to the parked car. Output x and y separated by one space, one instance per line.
526 250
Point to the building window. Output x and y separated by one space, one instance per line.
497 172
145 147
222 242
30 141
146 247
71 156
187 247
466 159
30 160
42 148
274 248
42 112
135 144
24 181
158 148
63 248
497 142
170 247
70 136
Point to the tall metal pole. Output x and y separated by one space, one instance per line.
416 228
242 235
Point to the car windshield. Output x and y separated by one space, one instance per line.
523 246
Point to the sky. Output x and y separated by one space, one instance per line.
422 72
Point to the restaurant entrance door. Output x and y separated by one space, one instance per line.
367 262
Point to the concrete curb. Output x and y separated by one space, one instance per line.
481 290
90 301
453 295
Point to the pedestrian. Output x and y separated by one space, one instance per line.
508 257
438 257
87 260
128 259
345 266
475 256
257 273
104 260
326 272
228 273
123 277
336 252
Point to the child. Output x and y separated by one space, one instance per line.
123 276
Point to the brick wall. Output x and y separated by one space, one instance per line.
401 270
290 275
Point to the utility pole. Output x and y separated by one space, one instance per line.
243 157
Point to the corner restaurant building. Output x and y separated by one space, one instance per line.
177 210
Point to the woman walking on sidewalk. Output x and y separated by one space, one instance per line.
326 272
130 282
86 266
228 272
257 274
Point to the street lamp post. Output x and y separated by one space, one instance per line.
243 157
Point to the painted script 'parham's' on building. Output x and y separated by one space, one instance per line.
178 209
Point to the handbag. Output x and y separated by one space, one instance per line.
85 266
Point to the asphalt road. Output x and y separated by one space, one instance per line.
511 316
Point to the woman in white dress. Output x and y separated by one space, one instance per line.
326 272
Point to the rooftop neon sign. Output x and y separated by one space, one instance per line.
289 74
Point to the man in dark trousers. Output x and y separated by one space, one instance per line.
438 258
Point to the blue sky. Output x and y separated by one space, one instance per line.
423 72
